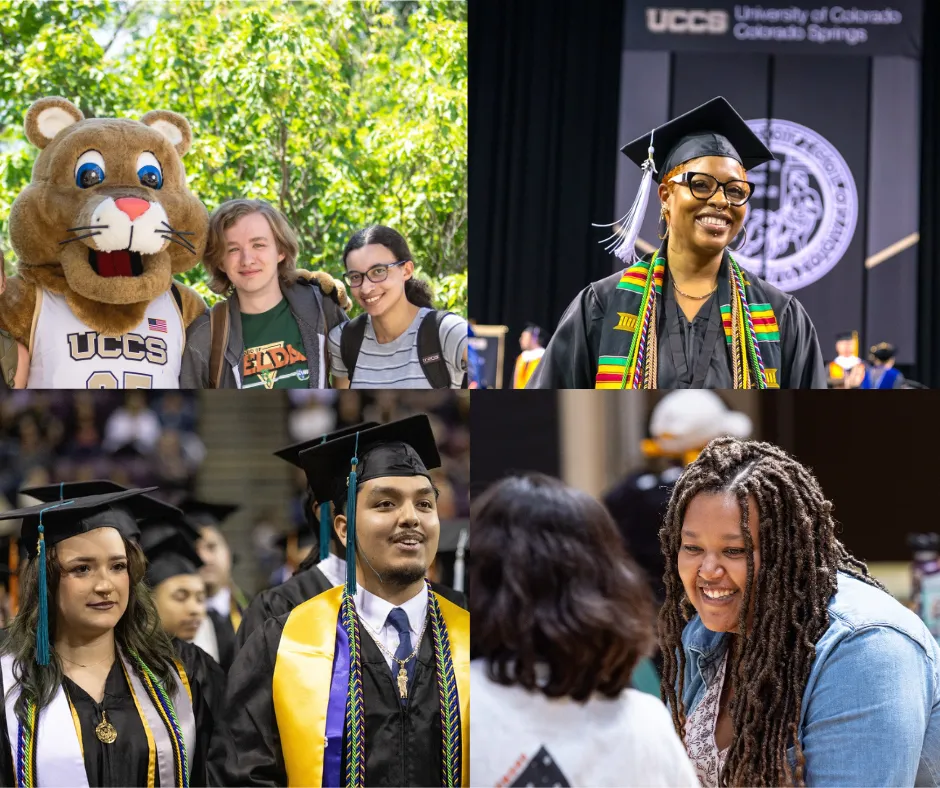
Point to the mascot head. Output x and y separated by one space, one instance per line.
108 217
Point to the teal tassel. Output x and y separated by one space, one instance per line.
324 531
42 631
351 490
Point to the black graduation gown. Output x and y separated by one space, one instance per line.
570 360
277 601
124 762
403 744
205 671
225 638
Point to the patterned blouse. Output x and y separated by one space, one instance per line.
700 733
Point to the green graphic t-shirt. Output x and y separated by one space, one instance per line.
274 350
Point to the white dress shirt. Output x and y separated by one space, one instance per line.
221 602
334 568
206 639
373 613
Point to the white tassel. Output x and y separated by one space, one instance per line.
623 242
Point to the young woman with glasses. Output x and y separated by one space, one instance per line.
687 315
399 341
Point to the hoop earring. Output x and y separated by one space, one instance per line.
741 245
663 221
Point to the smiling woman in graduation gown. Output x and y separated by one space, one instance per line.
312 699
151 726
687 315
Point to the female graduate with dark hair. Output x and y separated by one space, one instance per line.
94 694
687 316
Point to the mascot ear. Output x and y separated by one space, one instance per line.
47 117
172 126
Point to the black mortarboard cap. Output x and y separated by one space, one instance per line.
399 448
292 453
202 513
144 508
73 516
712 129
171 550
884 351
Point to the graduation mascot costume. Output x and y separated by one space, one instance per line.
105 223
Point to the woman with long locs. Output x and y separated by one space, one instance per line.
94 693
785 662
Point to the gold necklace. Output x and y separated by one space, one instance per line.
694 297
402 673
94 665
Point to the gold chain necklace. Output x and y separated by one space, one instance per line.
104 730
694 297
94 665
402 673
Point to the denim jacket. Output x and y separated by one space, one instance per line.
871 709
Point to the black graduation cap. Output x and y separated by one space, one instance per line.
145 508
171 550
202 513
292 453
712 129
63 519
884 351
399 448
54 522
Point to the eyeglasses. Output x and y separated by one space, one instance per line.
704 186
377 273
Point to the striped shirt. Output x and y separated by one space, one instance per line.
395 364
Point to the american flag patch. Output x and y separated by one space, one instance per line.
156 325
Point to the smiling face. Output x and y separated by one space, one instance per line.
712 559
377 298
705 226
94 584
397 528
251 255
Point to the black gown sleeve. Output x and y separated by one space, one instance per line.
199 772
257 612
801 357
207 673
570 360
248 751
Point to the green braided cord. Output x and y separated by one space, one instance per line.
450 703
355 726
164 705
750 340
641 316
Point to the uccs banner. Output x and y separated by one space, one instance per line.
862 28
834 219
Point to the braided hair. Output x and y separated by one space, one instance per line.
799 558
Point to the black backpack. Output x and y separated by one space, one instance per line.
430 353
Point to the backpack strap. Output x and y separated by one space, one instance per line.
350 342
177 296
218 341
430 353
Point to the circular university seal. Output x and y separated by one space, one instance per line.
805 206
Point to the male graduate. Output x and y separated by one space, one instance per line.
367 683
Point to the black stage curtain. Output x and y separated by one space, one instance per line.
928 323
544 94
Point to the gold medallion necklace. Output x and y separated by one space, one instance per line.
105 731
402 673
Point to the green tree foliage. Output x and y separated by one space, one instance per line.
340 114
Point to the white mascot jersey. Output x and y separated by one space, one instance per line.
67 354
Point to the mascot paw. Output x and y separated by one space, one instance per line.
334 288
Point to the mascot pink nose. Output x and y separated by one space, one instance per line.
132 206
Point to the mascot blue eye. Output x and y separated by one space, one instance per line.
150 177
88 175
